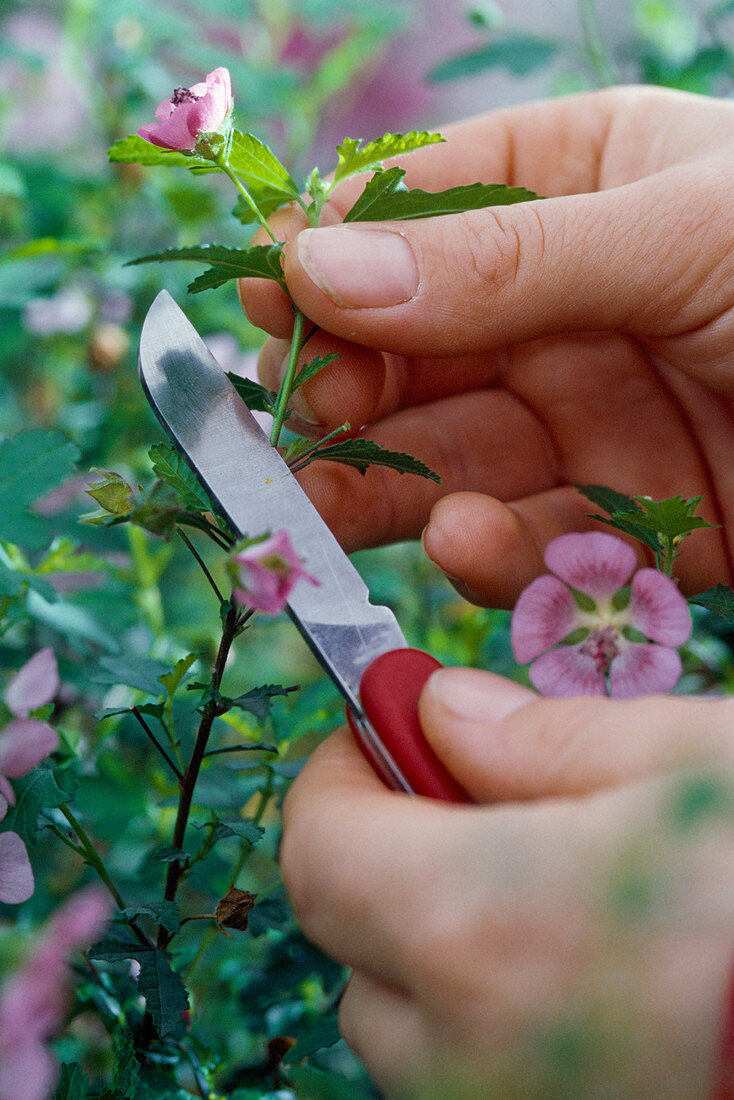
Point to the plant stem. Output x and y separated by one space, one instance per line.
156 742
247 197
191 774
598 56
311 453
187 542
286 386
93 857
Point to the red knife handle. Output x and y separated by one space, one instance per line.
389 692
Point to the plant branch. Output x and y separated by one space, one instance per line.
187 542
175 869
93 857
247 197
242 748
311 454
156 742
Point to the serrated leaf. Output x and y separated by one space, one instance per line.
267 201
245 830
308 370
43 789
261 261
126 1074
136 150
362 453
520 54
608 499
172 679
673 518
255 396
171 467
388 200
627 522
355 157
142 673
258 165
258 701
169 854
73 1084
165 913
160 985
719 599
31 464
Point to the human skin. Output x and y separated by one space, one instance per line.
584 338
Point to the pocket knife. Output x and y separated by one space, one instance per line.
359 644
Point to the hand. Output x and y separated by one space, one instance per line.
585 338
574 939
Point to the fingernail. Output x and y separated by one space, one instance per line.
475 696
359 268
300 410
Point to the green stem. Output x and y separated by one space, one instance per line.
156 742
598 56
94 859
189 544
311 453
286 386
247 197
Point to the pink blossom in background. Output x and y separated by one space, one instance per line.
189 112
602 658
24 742
266 572
33 1002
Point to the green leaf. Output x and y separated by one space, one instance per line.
158 983
259 167
389 200
720 600
172 679
261 261
627 522
142 673
245 830
317 1084
136 150
44 788
126 1074
323 1032
51 246
362 453
255 396
308 370
31 464
520 54
171 467
64 557
608 499
165 913
266 200
355 157
73 1084
673 518
158 511
258 701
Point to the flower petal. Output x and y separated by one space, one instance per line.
23 744
644 670
34 685
592 562
29 1070
657 608
16 876
544 615
565 672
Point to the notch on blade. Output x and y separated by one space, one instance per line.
256 492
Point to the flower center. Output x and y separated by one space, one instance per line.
601 645
183 95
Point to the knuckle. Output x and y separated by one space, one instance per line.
498 248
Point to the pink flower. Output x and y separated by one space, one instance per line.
588 633
24 742
33 1001
190 112
266 572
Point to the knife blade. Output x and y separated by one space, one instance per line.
253 488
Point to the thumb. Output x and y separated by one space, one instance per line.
617 259
502 742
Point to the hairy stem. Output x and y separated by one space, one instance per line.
247 197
